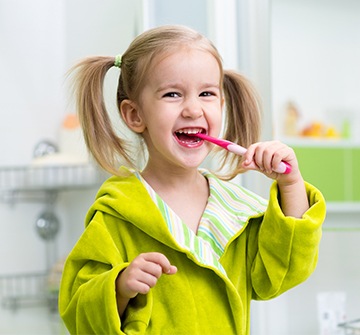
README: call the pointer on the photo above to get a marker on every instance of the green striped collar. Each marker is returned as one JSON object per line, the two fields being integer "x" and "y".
{"x": 228, "y": 209}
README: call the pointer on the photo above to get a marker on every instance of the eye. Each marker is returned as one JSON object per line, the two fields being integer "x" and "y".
{"x": 207, "y": 94}
{"x": 171, "y": 95}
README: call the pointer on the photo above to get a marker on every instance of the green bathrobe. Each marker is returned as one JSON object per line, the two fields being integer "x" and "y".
{"x": 269, "y": 255}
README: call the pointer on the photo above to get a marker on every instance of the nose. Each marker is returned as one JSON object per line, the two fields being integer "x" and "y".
{"x": 192, "y": 108}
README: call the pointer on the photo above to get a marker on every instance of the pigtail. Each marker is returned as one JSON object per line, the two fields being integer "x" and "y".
{"x": 243, "y": 119}
{"x": 101, "y": 140}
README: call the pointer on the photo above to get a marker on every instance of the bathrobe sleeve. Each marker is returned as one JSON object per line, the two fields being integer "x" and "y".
{"x": 88, "y": 299}
{"x": 287, "y": 247}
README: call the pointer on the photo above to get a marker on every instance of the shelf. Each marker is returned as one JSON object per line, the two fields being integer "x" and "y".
{"x": 320, "y": 142}
{"x": 343, "y": 207}
{"x": 34, "y": 182}
{"x": 27, "y": 289}
{"x": 342, "y": 216}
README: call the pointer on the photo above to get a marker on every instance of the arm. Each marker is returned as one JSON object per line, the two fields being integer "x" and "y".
{"x": 287, "y": 242}
{"x": 293, "y": 198}
{"x": 94, "y": 270}
{"x": 87, "y": 302}
{"x": 285, "y": 249}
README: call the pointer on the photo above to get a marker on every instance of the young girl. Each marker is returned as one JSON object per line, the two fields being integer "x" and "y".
{"x": 170, "y": 248}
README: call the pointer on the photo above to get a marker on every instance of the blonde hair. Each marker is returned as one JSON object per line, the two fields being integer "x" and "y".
{"x": 242, "y": 104}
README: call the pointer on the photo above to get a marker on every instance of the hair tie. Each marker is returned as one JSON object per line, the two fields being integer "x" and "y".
{"x": 118, "y": 61}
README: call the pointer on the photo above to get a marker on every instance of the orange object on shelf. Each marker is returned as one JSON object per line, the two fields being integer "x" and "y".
{"x": 319, "y": 130}
{"x": 71, "y": 121}
{"x": 315, "y": 129}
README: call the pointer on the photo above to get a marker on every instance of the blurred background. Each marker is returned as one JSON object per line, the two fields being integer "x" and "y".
{"x": 303, "y": 57}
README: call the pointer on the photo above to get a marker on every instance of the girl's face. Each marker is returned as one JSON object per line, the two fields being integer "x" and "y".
{"x": 182, "y": 94}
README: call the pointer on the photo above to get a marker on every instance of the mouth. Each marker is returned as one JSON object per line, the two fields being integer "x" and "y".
{"x": 186, "y": 136}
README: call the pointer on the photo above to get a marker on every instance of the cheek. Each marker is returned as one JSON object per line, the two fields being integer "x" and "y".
{"x": 158, "y": 130}
{"x": 216, "y": 120}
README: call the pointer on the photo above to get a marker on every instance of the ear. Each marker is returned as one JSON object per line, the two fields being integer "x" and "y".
{"x": 130, "y": 113}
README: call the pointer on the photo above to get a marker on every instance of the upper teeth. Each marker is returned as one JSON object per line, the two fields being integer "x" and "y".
{"x": 189, "y": 131}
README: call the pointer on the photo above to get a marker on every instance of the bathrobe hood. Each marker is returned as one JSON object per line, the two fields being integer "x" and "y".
{"x": 117, "y": 198}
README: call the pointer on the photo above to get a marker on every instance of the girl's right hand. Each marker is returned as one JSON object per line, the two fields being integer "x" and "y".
{"x": 142, "y": 274}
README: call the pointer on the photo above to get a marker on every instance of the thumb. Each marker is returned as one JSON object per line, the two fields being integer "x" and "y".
{"x": 250, "y": 165}
{"x": 172, "y": 270}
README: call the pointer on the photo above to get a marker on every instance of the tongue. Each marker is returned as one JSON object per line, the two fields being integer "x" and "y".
{"x": 186, "y": 138}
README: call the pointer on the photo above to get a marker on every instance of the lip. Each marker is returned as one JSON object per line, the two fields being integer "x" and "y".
{"x": 189, "y": 144}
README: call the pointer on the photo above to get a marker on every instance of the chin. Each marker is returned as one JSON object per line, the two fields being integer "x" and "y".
{"x": 193, "y": 164}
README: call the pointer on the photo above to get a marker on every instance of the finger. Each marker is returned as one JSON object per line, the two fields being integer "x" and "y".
{"x": 152, "y": 268}
{"x": 274, "y": 154}
{"x": 259, "y": 158}
{"x": 148, "y": 279}
{"x": 142, "y": 285}
{"x": 266, "y": 155}
{"x": 248, "y": 158}
{"x": 145, "y": 282}
{"x": 140, "y": 277}
{"x": 249, "y": 155}
{"x": 161, "y": 260}
{"x": 255, "y": 156}
{"x": 269, "y": 159}
{"x": 277, "y": 158}
{"x": 249, "y": 165}
{"x": 172, "y": 270}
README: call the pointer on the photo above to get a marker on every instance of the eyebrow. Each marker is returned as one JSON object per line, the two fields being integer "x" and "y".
{"x": 177, "y": 85}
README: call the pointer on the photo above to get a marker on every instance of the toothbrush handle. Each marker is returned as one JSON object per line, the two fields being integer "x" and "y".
{"x": 283, "y": 167}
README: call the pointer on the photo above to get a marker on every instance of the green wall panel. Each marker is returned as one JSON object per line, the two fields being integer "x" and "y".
{"x": 325, "y": 168}
{"x": 355, "y": 175}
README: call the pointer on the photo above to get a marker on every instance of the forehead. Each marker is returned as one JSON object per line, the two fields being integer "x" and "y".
{"x": 186, "y": 61}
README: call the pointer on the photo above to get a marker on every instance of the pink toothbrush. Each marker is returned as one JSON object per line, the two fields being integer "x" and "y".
{"x": 283, "y": 167}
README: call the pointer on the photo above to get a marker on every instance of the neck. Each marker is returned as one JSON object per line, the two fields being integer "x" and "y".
{"x": 185, "y": 191}
{"x": 179, "y": 179}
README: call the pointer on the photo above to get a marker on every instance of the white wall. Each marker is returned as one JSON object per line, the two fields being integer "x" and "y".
{"x": 315, "y": 60}
{"x": 296, "y": 312}
{"x": 32, "y": 66}
{"x": 31, "y": 107}
{"x": 40, "y": 40}
{"x": 315, "y": 49}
